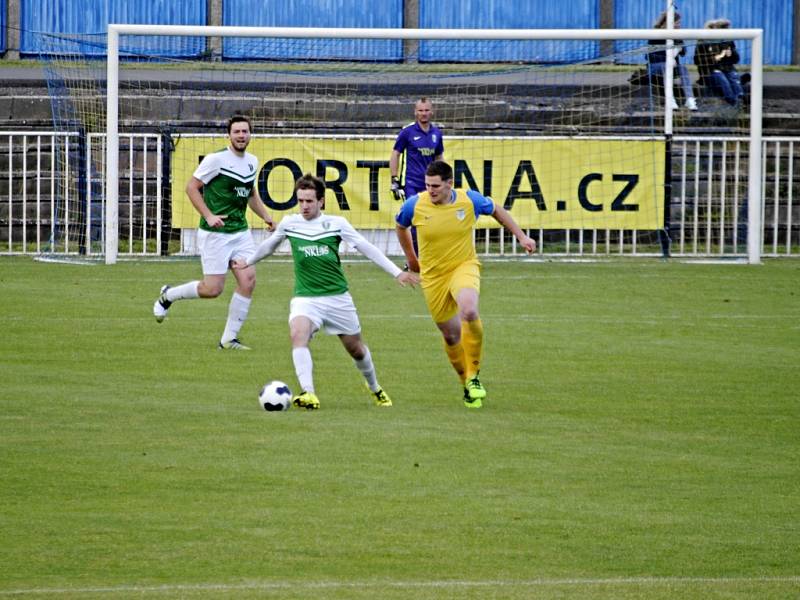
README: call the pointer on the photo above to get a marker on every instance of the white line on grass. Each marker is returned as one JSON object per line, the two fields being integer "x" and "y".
{"x": 446, "y": 584}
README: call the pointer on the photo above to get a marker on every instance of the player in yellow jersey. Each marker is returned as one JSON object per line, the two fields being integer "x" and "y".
{"x": 449, "y": 266}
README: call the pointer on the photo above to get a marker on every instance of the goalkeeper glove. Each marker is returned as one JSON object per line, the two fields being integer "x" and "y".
{"x": 397, "y": 191}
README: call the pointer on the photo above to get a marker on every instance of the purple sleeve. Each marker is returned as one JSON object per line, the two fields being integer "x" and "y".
{"x": 401, "y": 142}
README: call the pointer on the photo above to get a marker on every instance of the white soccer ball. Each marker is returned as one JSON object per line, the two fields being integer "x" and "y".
{"x": 275, "y": 396}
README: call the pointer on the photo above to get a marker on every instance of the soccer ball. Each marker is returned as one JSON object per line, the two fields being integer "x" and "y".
{"x": 275, "y": 396}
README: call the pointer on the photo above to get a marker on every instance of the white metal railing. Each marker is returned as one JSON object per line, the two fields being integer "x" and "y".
{"x": 53, "y": 201}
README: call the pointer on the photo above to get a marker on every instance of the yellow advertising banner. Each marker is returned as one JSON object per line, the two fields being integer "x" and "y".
{"x": 544, "y": 183}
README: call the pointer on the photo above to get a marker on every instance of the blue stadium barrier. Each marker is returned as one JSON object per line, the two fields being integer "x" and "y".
{"x": 309, "y": 13}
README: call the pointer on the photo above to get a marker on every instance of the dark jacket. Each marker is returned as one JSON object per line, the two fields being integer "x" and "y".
{"x": 660, "y": 56}
{"x": 705, "y": 57}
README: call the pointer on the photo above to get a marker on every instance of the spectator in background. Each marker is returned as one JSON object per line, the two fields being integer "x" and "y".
{"x": 657, "y": 62}
{"x": 716, "y": 62}
{"x": 420, "y": 143}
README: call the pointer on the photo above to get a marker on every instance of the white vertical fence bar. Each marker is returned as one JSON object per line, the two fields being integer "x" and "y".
{"x": 159, "y": 197}
{"x": 682, "y": 234}
{"x": 723, "y": 175}
{"x": 24, "y": 215}
{"x": 789, "y": 198}
{"x": 66, "y": 195}
{"x": 144, "y": 195}
{"x": 10, "y": 195}
{"x": 52, "y": 193}
{"x": 104, "y": 204}
{"x": 38, "y": 194}
{"x": 130, "y": 194}
{"x": 736, "y": 172}
{"x": 776, "y": 197}
{"x": 88, "y": 176}
{"x": 696, "y": 211}
{"x": 763, "y": 207}
{"x": 709, "y": 195}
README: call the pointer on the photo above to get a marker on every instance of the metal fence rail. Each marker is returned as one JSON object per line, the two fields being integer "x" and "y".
{"x": 52, "y": 201}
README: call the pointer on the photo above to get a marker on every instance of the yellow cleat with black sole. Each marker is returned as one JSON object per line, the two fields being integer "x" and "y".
{"x": 306, "y": 400}
{"x": 471, "y": 402}
{"x": 474, "y": 388}
{"x": 381, "y": 398}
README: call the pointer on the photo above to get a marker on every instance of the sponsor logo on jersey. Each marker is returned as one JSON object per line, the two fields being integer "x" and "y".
{"x": 242, "y": 192}
{"x": 310, "y": 251}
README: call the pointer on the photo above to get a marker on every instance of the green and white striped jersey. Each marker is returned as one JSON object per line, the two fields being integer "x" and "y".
{"x": 228, "y": 181}
{"x": 315, "y": 250}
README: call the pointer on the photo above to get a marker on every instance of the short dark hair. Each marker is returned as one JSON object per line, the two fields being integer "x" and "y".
{"x": 440, "y": 168}
{"x": 309, "y": 182}
{"x": 239, "y": 119}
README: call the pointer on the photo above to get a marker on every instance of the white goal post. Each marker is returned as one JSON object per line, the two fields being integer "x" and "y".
{"x": 754, "y": 208}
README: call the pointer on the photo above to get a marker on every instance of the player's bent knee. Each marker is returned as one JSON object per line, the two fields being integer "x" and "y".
{"x": 468, "y": 314}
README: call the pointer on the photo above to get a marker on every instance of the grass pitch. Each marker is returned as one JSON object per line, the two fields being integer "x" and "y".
{"x": 640, "y": 440}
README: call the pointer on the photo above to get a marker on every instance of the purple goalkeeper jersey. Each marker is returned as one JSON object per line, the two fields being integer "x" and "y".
{"x": 420, "y": 149}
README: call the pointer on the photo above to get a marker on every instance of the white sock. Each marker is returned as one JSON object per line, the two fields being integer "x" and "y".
{"x": 303, "y": 368}
{"x": 367, "y": 368}
{"x": 185, "y": 291}
{"x": 237, "y": 313}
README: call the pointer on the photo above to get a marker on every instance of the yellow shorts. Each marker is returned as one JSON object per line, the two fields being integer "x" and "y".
{"x": 440, "y": 292}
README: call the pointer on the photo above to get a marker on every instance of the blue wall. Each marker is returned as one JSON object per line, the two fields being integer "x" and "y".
{"x": 498, "y": 14}
{"x": 3, "y": 25}
{"x": 313, "y": 13}
{"x": 92, "y": 16}
{"x": 773, "y": 16}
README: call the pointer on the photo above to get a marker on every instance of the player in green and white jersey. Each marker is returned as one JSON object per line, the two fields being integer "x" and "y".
{"x": 321, "y": 297}
{"x": 221, "y": 189}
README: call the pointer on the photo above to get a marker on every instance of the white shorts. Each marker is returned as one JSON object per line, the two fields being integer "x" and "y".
{"x": 336, "y": 313}
{"x": 217, "y": 250}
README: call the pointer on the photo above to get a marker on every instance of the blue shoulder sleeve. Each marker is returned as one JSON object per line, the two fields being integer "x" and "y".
{"x": 406, "y": 214}
{"x": 481, "y": 204}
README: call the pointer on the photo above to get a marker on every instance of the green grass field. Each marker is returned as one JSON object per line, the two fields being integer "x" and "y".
{"x": 641, "y": 440}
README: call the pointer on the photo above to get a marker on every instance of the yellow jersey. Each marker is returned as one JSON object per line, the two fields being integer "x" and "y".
{"x": 444, "y": 231}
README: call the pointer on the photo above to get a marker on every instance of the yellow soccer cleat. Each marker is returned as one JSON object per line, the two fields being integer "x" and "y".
{"x": 474, "y": 389}
{"x": 306, "y": 400}
{"x": 381, "y": 397}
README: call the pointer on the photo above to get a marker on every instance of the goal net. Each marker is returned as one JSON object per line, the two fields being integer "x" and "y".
{"x": 564, "y": 129}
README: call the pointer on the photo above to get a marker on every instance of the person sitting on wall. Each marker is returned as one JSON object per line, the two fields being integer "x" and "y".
{"x": 657, "y": 62}
{"x": 716, "y": 62}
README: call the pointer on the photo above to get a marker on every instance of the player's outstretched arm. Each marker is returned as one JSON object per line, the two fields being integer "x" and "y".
{"x": 407, "y": 244}
{"x": 265, "y": 248}
{"x": 502, "y": 216}
{"x": 405, "y": 278}
{"x": 379, "y": 258}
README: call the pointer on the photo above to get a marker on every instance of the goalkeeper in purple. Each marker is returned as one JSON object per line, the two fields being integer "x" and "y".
{"x": 321, "y": 297}
{"x": 449, "y": 267}
{"x": 421, "y": 143}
